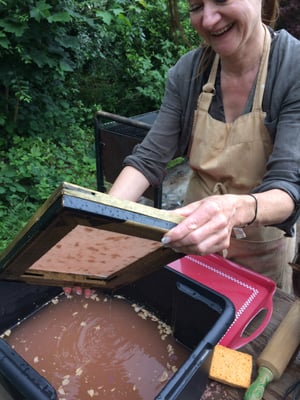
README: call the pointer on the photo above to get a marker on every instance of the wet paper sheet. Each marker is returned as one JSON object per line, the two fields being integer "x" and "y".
{"x": 87, "y": 238}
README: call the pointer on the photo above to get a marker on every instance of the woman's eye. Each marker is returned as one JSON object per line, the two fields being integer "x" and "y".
{"x": 199, "y": 6}
{"x": 195, "y": 7}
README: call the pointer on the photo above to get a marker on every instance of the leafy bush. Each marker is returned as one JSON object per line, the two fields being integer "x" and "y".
{"x": 33, "y": 167}
{"x": 60, "y": 61}
{"x": 137, "y": 48}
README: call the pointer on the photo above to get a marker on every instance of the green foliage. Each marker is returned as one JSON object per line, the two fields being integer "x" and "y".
{"x": 38, "y": 49}
{"x": 112, "y": 53}
{"x": 137, "y": 49}
{"x": 60, "y": 61}
{"x": 33, "y": 167}
{"x": 42, "y": 165}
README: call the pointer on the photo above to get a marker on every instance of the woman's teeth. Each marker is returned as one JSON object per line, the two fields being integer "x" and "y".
{"x": 220, "y": 32}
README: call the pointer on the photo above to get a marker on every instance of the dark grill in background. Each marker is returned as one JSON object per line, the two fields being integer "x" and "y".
{"x": 115, "y": 138}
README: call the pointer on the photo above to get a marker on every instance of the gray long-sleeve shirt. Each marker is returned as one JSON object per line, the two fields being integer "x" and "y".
{"x": 172, "y": 129}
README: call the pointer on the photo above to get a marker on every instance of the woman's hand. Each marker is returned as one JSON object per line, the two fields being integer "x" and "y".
{"x": 208, "y": 224}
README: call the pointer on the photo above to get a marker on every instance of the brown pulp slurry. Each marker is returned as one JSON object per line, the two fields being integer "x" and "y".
{"x": 101, "y": 348}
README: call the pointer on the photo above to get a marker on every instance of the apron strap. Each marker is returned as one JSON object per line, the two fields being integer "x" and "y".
{"x": 208, "y": 90}
{"x": 262, "y": 73}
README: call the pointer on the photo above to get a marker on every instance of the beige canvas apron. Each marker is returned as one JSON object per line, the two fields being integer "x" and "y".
{"x": 231, "y": 158}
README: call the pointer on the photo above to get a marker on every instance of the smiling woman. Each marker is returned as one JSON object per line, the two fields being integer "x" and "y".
{"x": 231, "y": 107}
{"x": 206, "y": 15}
{"x": 270, "y": 8}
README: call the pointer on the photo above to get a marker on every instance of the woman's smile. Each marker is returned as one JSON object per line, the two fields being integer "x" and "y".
{"x": 220, "y": 32}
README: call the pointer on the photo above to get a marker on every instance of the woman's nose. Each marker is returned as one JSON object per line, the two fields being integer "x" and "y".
{"x": 210, "y": 16}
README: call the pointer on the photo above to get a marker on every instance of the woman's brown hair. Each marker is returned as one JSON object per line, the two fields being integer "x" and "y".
{"x": 270, "y": 12}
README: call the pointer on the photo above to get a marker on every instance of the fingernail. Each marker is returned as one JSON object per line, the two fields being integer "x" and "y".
{"x": 165, "y": 240}
{"x": 88, "y": 293}
{"x": 78, "y": 291}
{"x": 192, "y": 227}
{"x": 67, "y": 291}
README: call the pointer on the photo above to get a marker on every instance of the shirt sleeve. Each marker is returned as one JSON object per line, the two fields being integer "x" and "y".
{"x": 164, "y": 140}
{"x": 282, "y": 102}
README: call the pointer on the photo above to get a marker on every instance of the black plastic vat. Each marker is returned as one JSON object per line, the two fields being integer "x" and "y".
{"x": 198, "y": 315}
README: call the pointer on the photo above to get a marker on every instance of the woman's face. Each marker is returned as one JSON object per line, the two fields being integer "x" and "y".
{"x": 228, "y": 26}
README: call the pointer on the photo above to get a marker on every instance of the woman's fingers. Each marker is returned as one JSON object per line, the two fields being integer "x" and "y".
{"x": 206, "y": 228}
{"x": 201, "y": 243}
{"x": 79, "y": 291}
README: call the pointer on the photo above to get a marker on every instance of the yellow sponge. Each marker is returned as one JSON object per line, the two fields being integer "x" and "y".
{"x": 231, "y": 367}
